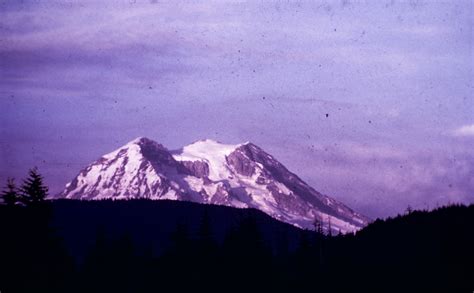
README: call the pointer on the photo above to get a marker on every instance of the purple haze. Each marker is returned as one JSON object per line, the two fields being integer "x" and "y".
{"x": 371, "y": 104}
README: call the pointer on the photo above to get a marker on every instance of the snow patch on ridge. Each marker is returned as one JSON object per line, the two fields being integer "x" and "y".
{"x": 211, "y": 152}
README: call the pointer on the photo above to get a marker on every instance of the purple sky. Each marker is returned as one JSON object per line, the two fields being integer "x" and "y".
{"x": 79, "y": 79}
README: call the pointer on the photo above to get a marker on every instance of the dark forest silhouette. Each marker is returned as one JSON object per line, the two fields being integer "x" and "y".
{"x": 153, "y": 246}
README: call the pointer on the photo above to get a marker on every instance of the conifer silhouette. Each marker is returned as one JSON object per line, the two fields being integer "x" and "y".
{"x": 33, "y": 190}
{"x": 206, "y": 243}
{"x": 318, "y": 226}
{"x": 10, "y": 195}
{"x": 329, "y": 227}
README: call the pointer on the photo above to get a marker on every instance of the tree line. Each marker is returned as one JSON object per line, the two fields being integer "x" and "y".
{"x": 420, "y": 251}
{"x": 32, "y": 192}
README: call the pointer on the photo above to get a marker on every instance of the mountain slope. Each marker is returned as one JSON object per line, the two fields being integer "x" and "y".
{"x": 242, "y": 176}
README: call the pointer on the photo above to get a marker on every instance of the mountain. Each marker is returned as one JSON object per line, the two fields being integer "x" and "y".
{"x": 241, "y": 176}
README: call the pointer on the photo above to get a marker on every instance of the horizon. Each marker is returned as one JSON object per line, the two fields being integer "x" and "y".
{"x": 368, "y": 103}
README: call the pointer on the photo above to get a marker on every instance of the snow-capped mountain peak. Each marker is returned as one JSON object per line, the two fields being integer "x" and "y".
{"x": 133, "y": 147}
{"x": 206, "y": 171}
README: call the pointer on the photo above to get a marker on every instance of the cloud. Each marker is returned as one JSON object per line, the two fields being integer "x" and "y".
{"x": 380, "y": 179}
{"x": 353, "y": 86}
{"x": 466, "y": 130}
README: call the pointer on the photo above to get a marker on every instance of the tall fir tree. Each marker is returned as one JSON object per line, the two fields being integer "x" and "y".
{"x": 10, "y": 195}
{"x": 33, "y": 190}
{"x": 205, "y": 235}
{"x": 329, "y": 227}
{"x": 318, "y": 226}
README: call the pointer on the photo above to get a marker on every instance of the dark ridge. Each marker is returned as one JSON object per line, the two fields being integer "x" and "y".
{"x": 150, "y": 246}
{"x": 150, "y": 220}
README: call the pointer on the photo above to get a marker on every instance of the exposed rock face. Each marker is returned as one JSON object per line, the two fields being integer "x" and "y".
{"x": 155, "y": 153}
{"x": 240, "y": 161}
{"x": 197, "y": 168}
{"x": 242, "y": 176}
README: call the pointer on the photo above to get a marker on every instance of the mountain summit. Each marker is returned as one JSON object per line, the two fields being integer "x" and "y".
{"x": 242, "y": 176}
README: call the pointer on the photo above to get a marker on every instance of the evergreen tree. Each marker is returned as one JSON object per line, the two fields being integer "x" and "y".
{"x": 96, "y": 267}
{"x": 180, "y": 239}
{"x": 318, "y": 226}
{"x": 329, "y": 227}
{"x": 33, "y": 190}
{"x": 245, "y": 251}
{"x": 205, "y": 235}
{"x": 10, "y": 195}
